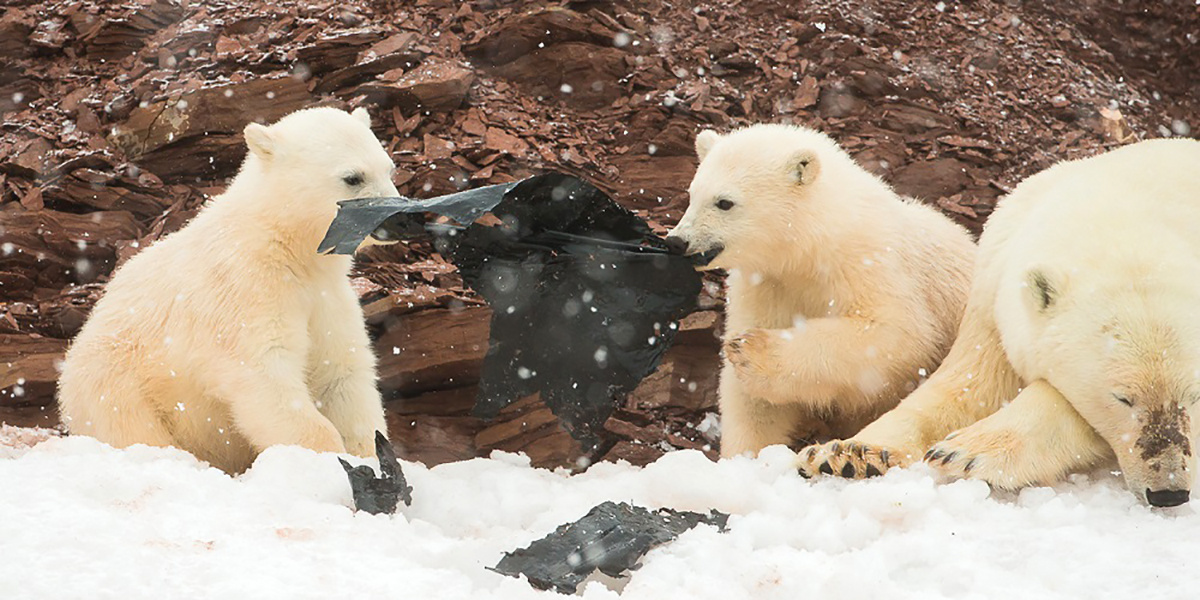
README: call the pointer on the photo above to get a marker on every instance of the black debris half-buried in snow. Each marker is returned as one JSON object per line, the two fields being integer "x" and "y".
{"x": 585, "y": 297}
{"x": 611, "y": 537}
{"x": 379, "y": 495}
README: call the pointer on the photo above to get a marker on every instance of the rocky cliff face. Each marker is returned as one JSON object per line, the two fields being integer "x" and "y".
{"x": 121, "y": 118}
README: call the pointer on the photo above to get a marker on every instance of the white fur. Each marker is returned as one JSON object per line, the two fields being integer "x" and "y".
{"x": 839, "y": 291}
{"x": 1087, "y": 289}
{"x": 233, "y": 334}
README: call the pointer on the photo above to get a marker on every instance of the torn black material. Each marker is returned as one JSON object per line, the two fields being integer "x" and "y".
{"x": 585, "y": 298}
{"x": 403, "y": 218}
{"x": 379, "y": 495}
{"x": 611, "y": 537}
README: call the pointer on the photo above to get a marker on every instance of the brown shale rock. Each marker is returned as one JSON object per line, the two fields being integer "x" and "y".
{"x": 114, "y": 30}
{"x": 580, "y": 74}
{"x": 15, "y": 28}
{"x": 366, "y": 70}
{"x": 528, "y": 426}
{"x": 104, "y": 190}
{"x": 932, "y": 179}
{"x": 52, "y": 249}
{"x": 199, "y": 132}
{"x": 436, "y": 86}
{"x": 336, "y": 51}
{"x": 537, "y": 29}
{"x": 28, "y": 376}
{"x": 427, "y": 349}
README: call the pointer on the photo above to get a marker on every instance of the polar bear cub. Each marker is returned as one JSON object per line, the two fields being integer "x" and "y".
{"x": 840, "y": 295}
{"x": 233, "y": 334}
{"x": 1080, "y": 346}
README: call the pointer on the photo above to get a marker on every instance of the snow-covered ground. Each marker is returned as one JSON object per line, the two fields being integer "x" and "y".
{"x": 81, "y": 520}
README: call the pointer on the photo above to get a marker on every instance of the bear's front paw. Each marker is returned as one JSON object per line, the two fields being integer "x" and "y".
{"x": 849, "y": 459}
{"x": 978, "y": 454}
{"x": 750, "y": 354}
{"x": 361, "y": 447}
{"x": 321, "y": 436}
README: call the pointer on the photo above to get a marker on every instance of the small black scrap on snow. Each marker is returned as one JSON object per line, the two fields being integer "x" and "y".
{"x": 379, "y": 495}
{"x": 611, "y": 537}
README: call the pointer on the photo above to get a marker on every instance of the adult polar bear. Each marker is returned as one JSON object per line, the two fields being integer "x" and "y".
{"x": 1081, "y": 337}
{"x": 233, "y": 334}
{"x": 840, "y": 293}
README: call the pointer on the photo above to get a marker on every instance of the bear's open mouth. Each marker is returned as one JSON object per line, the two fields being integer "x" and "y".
{"x": 701, "y": 259}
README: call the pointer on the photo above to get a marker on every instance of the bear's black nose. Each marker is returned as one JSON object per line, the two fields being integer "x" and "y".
{"x": 676, "y": 245}
{"x": 1166, "y": 498}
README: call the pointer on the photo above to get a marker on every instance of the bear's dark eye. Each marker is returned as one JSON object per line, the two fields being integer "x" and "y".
{"x": 1123, "y": 400}
{"x": 353, "y": 179}
{"x": 724, "y": 204}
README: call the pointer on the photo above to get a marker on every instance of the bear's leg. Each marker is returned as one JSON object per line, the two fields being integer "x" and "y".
{"x": 1037, "y": 439}
{"x": 271, "y": 405}
{"x": 343, "y": 372}
{"x": 749, "y": 424}
{"x": 101, "y": 399}
{"x": 351, "y": 401}
{"x": 971, "y": 383}
{"x": 828, "y": 359}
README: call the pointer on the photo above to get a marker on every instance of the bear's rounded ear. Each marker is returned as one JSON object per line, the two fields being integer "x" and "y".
{"x": 361, "y": 114}
{"x": 259, "y": 140}
{"x": 1042, "y": 289}
{"x": 806, "y": 166}
{"x": 705, "y": 141}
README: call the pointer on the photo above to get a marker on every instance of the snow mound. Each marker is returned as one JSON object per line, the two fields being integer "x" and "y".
{"x": 82, "y": 520}
{"x": 15, "y": 440}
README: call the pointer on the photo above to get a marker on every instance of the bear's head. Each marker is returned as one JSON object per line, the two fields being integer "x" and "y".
{"x": 312, "y": 158}
{"x": 760, "y": 194}
{"x": 1126, "y": 354}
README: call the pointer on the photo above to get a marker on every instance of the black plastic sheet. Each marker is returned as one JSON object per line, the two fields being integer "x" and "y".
{"x": 402, "y": 218}
{"x": 585, "y": 298}
{"x": 611, "y": 537}
{"x": 379, "y": 495}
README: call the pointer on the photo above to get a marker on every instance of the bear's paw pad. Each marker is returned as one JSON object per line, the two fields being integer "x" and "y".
{"x": 983, "y": 455}
{"x": 951, "y": 462}
{"x": 847, "y": 459}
